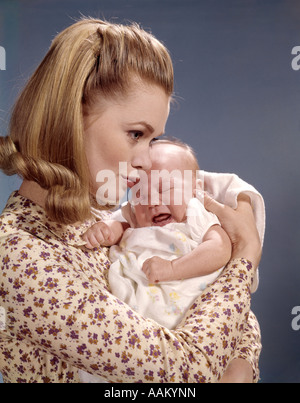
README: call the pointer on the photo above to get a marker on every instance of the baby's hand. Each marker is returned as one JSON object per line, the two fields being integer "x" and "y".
{"x": 99, "y": 234}
{"x": 158, "y": 270}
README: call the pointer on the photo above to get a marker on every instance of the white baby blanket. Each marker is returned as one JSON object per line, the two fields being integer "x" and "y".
{"x": 167, "y": 302}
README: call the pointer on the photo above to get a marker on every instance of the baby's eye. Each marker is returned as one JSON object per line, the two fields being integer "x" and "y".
{"x": 153, "y": 140}
{"x": 135, "y": 135}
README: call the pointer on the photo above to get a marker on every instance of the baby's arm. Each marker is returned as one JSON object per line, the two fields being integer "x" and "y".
{"x": 106, "y": 233}
{"x": 211, "y": 255}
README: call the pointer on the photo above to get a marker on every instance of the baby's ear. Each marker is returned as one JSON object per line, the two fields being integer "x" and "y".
{"x": 199, "y": 186}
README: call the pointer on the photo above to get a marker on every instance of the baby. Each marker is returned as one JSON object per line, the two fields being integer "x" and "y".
{"x": 167, "y": 253}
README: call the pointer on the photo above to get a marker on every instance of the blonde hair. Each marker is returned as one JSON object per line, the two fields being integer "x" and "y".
{"x": 46, "y": 135}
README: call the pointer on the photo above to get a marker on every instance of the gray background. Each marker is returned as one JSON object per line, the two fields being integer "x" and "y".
{"x": 239, "y": 102}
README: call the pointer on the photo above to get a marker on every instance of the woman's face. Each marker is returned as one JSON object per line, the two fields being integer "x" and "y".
{"x": 122, "y": 130}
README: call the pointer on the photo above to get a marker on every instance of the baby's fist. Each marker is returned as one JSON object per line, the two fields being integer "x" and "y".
{"x": 158, "y": 270}
{"x": 98, "y": 234}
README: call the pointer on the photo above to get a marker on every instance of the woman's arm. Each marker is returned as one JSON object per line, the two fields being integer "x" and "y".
{"x": 244, "y": 367}
{"x": 86, "y": 327}
{"x": 246, "y": 359}
{"x": 59, "y": 316}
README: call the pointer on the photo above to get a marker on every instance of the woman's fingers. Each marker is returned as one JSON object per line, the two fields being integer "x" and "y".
{"x": 240, "y": 226}
{"x": 214, "y": 206}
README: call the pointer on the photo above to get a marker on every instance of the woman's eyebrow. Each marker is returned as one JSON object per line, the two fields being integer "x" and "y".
{"x": 145, "y": 124}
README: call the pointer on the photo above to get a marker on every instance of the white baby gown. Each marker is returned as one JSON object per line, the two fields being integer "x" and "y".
{"x": 167, "y": 302}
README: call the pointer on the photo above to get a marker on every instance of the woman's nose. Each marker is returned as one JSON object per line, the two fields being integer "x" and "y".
{"x": 142, "y": 160}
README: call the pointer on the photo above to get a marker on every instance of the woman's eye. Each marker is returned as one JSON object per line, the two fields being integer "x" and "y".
{"x": 136, "y": 135}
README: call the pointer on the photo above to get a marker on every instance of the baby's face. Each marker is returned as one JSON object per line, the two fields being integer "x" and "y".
{"x": 164, "y": 204}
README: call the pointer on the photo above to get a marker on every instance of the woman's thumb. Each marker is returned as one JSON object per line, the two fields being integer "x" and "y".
{"x": 212, "y": 205}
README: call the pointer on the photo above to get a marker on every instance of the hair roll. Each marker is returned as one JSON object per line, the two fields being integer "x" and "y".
{"x": 7, "y": 151}
{"x": 66, "y": 200}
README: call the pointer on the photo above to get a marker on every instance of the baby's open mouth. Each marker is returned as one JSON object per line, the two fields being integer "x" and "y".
{"x": 162, "y": 219}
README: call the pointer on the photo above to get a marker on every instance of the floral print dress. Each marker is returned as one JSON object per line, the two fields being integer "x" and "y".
{"x": 59, "y": 315}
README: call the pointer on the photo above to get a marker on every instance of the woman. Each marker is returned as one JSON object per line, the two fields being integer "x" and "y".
{"x": 101, "y": 96}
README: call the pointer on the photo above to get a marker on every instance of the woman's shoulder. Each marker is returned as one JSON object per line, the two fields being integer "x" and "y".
{"x": 26, "y": 228}
{"x": 35, "y": 246}
{"x": 22, "y": 220}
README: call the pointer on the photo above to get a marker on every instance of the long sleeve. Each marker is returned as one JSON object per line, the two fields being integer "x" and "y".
{"x": 61, "y": 317}
{"x": 249, "y": 347}
{"x": 88, "y": 328}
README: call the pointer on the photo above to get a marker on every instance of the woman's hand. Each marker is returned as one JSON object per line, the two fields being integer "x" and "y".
{"x": 240, "y": 227}
{"x": 238, "y": 371}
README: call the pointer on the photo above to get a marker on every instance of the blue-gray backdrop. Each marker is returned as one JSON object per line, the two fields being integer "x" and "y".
{"x": 239, "y": 101}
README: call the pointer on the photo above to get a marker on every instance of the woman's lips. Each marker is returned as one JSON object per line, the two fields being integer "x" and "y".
{"x": 130, "y": 181}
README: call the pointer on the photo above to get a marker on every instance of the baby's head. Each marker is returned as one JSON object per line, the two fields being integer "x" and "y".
{"x": 167, "y": 190}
